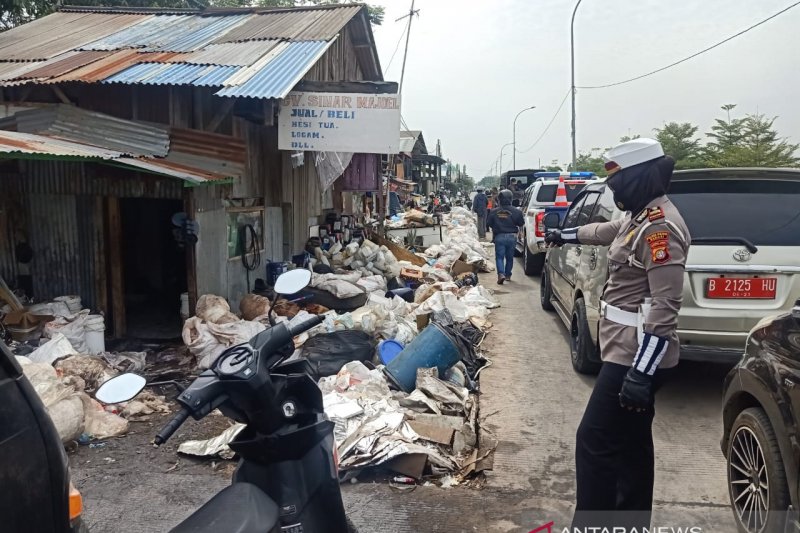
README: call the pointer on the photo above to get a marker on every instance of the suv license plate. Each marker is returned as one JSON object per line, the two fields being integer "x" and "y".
{"x": 745, "y": 288}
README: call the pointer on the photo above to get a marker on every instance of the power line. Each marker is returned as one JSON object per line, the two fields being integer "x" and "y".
{"x": 693, "y": 55}
{"x": 397, "y": 47}
{"x": 560, "y": 106}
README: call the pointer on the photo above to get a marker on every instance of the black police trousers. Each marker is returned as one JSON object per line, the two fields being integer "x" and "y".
{"x": 614, "y": 457}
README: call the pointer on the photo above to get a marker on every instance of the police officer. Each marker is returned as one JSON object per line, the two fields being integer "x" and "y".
{"x": 505, "y": 221}
{"x": 614, "y": 454}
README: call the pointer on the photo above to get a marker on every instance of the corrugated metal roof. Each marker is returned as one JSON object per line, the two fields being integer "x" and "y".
{"x": 62, "y": 64}
{"x": 298, "y": 25}
{"x": 108, "y": 66}
{"x": 196, "y": 32}
{"x": 407, "y": 144}
{"x": 14, "y": 142}
{"x": 97, "y": 129}
{"x": 55, "y": 34}
{"x": 171, "y": 33}
{"x": 173, "y": 74}
{"x": 279, "y": 75}
{"x": 31, "y": 145}
{"x": 241, "y": 54}
{"x": 222, "y": 154}
{"x": 170, "y": 168}
{"x": 11, "y": 70}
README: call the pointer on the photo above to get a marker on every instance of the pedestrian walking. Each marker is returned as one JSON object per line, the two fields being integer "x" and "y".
{"x": 505, "y": 221}
{"x": 614, "y": 456}
{"x": 480, "y": 205}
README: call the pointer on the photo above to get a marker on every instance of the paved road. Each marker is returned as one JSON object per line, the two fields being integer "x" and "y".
{"x": 531, "y": 400}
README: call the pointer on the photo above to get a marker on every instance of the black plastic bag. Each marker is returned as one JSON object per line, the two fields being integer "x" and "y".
{"x": 329, "y": 352}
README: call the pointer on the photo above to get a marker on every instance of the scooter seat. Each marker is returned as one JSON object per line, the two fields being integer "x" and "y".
{"x": 239, "y": 508}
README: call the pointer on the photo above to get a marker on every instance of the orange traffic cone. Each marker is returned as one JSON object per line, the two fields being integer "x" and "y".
{"x": 561, "y": 193}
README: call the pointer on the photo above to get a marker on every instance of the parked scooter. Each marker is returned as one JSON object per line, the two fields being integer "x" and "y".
{"x": 287, "y": 478}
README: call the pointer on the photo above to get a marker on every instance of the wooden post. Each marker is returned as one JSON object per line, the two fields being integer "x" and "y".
{"x": 101, "y": 266}
{"x": 116, "y": 267}
{"x": 191, "y": 253}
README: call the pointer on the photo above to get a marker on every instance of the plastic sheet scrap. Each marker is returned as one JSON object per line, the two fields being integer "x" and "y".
{"x": 214, "y": 446}
{"x": 56, "y": 348}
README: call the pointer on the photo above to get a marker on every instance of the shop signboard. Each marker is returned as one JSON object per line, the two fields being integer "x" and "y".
{"x": 340, "y": 122}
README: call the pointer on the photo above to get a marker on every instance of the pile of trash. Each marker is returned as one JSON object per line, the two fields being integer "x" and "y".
{"x": 413, "y": 218}
{"x": 62, "y": 378}
{"x": 407, "y": 405}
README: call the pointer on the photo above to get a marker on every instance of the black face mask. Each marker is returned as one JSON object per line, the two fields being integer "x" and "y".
{"x": 637, "y": 186}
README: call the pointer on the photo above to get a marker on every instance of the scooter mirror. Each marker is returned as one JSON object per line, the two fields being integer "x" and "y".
{"x": 120, "y": 388}
{"x": 293, "y": 281}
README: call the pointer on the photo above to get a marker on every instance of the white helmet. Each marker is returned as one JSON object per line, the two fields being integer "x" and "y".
{"x": 632, "y": 153}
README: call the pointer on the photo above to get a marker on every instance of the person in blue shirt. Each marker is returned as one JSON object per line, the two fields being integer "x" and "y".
{"x": 505, "y": 221}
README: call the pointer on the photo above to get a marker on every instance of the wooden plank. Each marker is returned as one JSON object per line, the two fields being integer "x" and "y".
{"x": 399, "y": 252}
{"x": 223, "y": 112}
{"x": 191, "y": 253}
{"x": 273, "y": 234}
{"x": 116, "y": 267}
{"x": 99, "y": 238}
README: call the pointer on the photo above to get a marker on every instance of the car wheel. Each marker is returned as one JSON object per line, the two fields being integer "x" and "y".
{"x": 756, "y": 477}
{"x": 583, "y": 350}
{"x": 532, "y": 263}
{"x": 546, "y": 292}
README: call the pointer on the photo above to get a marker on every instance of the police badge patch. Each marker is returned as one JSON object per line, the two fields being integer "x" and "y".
{"x": 659, "y": 246}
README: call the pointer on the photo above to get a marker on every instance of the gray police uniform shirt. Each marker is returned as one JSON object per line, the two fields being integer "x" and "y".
{"x": 646, "y": 259}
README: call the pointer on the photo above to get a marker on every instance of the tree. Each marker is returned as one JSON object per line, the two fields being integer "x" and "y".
{"x": 552, "y": 168}
{"x": 678, "y": 141}
{"x": 751, "y": 141}
{"x": 727, "y": 135}
{"x": 589, "y": 162}
{"x": 490, "y": 181}
{"x": 626, "y": 138}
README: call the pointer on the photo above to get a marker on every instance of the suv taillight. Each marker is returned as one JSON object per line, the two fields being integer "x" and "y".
{"x": 539, "y": 225}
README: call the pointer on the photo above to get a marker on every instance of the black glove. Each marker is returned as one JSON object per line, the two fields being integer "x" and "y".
{"x": 554, "y": 237}
{"x": 637, "y": 391}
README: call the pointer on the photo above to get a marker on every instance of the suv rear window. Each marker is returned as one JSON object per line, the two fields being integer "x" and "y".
{"x": 547, "y": 193}
{"x": 763, "y": 211}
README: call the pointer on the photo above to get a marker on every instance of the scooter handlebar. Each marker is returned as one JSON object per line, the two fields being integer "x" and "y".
{"x": 172, "y": 426}
{"x": 305, "y": 325}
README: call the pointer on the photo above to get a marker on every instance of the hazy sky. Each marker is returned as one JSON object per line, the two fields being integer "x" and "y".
{"x": 473, "y": 65}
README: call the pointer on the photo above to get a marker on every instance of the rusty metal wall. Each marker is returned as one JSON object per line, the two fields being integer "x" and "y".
{"x": 11, "y": 217}
{"x": 71, "y": 178}
{"x": 54, "y": 237}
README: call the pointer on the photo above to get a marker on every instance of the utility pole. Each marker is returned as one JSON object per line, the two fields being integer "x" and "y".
{"x": 572, "y": 63}
{"x": 411, "y": 13}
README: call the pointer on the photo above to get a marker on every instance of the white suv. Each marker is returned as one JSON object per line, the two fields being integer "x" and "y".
{"x": 537, "y": 197}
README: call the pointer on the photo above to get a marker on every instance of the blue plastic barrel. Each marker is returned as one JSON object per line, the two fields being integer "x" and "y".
{"x": 432, "y": 348}
{"x": 388, "y": 350}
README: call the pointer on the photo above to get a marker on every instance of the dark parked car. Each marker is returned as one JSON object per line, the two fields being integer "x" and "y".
{"x": 36, "y": 493}
{"x": 761, "y": 440}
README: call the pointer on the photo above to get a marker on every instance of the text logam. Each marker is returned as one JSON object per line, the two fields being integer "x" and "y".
{"x": 349, "y": 102}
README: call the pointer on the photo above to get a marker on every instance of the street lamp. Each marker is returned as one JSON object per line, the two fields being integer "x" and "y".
{"x": 514, "y": 159}
{"x": 572, "y": 62}
{"x": 501, "y": 157}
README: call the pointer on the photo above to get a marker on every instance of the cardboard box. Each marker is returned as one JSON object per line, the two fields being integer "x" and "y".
{"x": 459, "y": 267}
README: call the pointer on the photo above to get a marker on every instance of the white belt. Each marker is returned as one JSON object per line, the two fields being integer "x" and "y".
{"x": 620, "y": 316}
